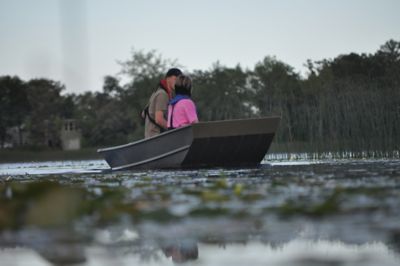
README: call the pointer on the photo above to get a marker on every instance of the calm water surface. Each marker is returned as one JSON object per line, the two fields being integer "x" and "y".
{"x": 344, "y": 212}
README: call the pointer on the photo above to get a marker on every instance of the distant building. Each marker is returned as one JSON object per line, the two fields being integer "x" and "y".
{"x": 16, "y": 137}
{"x": 70, "y": 135}
{"x": 51, "y": 135}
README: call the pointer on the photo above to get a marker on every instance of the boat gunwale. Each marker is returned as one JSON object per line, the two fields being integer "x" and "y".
{"x": 239, "y": 119}
{"x": 152, "y": 159}
{"x": 178, "y": 129}
{"x": 142, "y": 140}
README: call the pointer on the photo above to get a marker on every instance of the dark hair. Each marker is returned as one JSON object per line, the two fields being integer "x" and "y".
{"x": 183, "y": 85}
{"x": 173, "y": 72}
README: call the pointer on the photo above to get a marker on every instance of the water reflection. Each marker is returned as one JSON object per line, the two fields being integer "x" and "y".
{"x": 332, "y": 213}
{"x": 181, "y": 250}
{"x": 299, "y": 251}
{"x": 59, "y": 247}
{"x": 124, "y": 246}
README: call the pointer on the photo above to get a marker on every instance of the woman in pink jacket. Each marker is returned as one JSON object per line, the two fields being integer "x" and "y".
{"x": 181, "y": 109}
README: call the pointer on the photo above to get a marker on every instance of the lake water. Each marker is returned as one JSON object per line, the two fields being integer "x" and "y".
{"x": 301, "y": 212}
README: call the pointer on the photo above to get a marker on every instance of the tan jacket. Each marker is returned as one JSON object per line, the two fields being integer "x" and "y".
{"x": 158, "y": 102}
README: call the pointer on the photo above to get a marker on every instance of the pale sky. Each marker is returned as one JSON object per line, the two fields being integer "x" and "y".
{"x": 78, "y": 42}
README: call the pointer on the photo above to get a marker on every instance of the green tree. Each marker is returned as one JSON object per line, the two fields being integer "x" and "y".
{"x": 103, "y": 115}
{"x": 277, "y": 92}
{"x": 14, "y": 105}
{"x": 352, "y": 101}
{"x": 45, "y": 119}
{"x": 145, "y": 65}
{"x": 222, "y": 93}
{"x": 143, "y": 72}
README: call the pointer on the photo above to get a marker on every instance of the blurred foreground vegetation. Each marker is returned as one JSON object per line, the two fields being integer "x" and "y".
{"x": 349, "y": 103}
{"x": 313, "y": 191}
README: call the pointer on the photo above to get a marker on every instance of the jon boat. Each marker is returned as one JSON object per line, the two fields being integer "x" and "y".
{"x": 228, "y": 143}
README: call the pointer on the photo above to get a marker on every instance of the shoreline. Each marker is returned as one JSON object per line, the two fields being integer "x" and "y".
{"x": 15, "y": 156}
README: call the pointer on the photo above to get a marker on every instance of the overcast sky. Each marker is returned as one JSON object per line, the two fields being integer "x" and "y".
{"x": 78, "y": 42}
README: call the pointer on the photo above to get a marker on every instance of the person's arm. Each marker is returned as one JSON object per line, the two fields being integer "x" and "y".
{"x": 161, "y": 106}
{"x": 191, "y": 112}
{"x": 160, "y": 120}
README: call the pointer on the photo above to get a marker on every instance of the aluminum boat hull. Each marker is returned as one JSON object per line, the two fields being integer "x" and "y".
{"x": 228, "y": 143}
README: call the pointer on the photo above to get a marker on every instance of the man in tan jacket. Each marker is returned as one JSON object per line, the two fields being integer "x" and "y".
{"x": 156, "y": 110}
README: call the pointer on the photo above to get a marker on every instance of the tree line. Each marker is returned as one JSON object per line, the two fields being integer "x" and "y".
{"x": 348, "y": 103}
